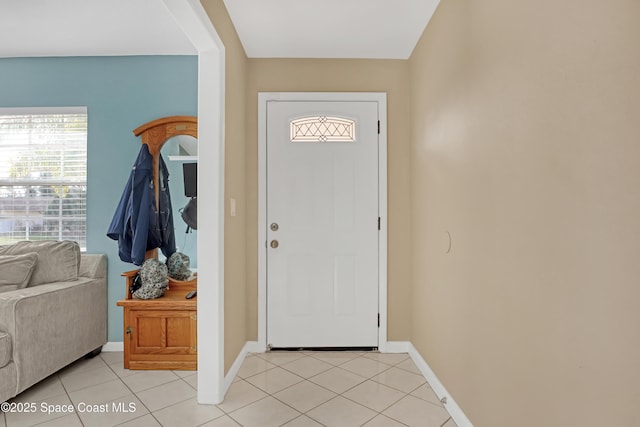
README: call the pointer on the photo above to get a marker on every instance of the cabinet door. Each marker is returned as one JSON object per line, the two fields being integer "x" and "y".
{"x": 163, "y": 332}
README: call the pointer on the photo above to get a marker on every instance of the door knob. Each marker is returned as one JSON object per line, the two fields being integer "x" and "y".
{"x": 274, "y": 244}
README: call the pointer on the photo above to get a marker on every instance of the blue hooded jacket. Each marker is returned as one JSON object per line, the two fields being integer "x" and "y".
{"x": 136, "y": 224}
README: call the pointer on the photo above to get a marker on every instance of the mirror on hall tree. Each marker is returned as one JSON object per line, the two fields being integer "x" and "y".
{"x": 178, "y": 151}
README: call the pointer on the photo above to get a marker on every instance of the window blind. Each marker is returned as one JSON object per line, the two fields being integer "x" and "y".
{"x": 43, "y": 174}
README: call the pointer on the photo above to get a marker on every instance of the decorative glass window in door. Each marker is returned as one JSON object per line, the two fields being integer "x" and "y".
{"x": 323, "y": 129}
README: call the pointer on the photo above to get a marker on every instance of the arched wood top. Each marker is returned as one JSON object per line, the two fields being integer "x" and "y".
{"x": 156, "y": 132}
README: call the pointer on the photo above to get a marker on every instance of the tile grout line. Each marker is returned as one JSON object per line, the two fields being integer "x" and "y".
{"x": 342, "y": 394}
{"x": 332, "y": 366}
{"x": 47, "y": 398}
{"x": 292, "y": 385}
{"x": 229, "y": 414}
{"x": 135, "y": 394}
{"x": 378, "y": 412}
{"x": 243, "y": 406}
{"x": 69, "y": 397}
{"x": 169, "y": 406}
{"x": 152, "y": 413}
{"x": 132, "y": 392}
{"x": 282, "y": 365}
{"x": 370, "y": 378}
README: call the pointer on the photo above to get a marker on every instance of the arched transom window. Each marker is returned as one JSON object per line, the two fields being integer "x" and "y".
{"x": 323, "y": 129}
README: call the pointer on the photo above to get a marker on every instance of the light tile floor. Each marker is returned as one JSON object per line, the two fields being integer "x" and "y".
{"x": 291, "y": 389}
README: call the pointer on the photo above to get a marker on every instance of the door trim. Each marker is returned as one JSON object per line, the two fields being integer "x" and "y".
{"x": 263, "y": 99}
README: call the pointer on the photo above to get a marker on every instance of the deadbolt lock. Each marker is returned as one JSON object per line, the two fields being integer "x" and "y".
{"x": 274, "y": 227}
{"x": 274, "y": 244}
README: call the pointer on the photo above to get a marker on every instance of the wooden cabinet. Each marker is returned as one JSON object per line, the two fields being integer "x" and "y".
{"x": 161, "y": 333}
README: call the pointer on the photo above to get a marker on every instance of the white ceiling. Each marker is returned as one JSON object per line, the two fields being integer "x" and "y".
{"x": 267, "y": 28}
{"x": 330, "y": 28}
{"x": 89, "y": 28}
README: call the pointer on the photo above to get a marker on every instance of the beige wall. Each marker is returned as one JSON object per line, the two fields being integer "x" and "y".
{"x": 308, "y": 75}
{"x": 245, "y": 78}
{"x": 526, "y": 148}
{"x": 519, "y": 126}
{"x": 235, "y": 183}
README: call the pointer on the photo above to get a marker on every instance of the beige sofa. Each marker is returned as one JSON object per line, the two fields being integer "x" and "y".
{"x": 53, "y": 310}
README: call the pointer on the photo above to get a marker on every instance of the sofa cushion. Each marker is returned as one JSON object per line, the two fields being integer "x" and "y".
{"x": 58, "y": 261}
{"x": 16, "y": 270}
{"x": 5, "y": 349}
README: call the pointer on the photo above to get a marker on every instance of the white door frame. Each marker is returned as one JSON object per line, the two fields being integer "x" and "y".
{"x": 263, "y": 99}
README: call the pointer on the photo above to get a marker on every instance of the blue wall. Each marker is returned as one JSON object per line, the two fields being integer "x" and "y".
{"x": 121, "y": 93}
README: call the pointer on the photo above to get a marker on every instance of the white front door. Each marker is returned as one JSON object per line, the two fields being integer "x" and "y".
{"x": 322, "y": 223}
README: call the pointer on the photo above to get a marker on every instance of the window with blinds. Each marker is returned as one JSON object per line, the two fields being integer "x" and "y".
{"x": 43, "y": 174}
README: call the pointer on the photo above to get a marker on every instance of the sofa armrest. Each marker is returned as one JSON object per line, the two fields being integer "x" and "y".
{"x": 54, "y": 324}
{"x": 93, "y": 266}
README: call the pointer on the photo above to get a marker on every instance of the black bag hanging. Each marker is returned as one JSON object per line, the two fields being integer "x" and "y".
{"x": 190, "y": 214}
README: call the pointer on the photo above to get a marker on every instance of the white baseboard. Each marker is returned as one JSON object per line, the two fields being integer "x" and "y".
{"x": 449, "y": 403}
{"x": 391, "y": 347}
{"x": 113, "y": 346}
{"x": 249, "y": 347}
{"x": 396, "y": 347}
{"x": 255, "y": 347}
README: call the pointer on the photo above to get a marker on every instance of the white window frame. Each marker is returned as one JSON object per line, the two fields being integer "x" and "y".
{"x": 35, "y": 182}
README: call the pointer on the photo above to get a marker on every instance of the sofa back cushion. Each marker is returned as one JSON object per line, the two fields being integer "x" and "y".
{"x": 16, "y": 270}
{"x": 58, "y": 261}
